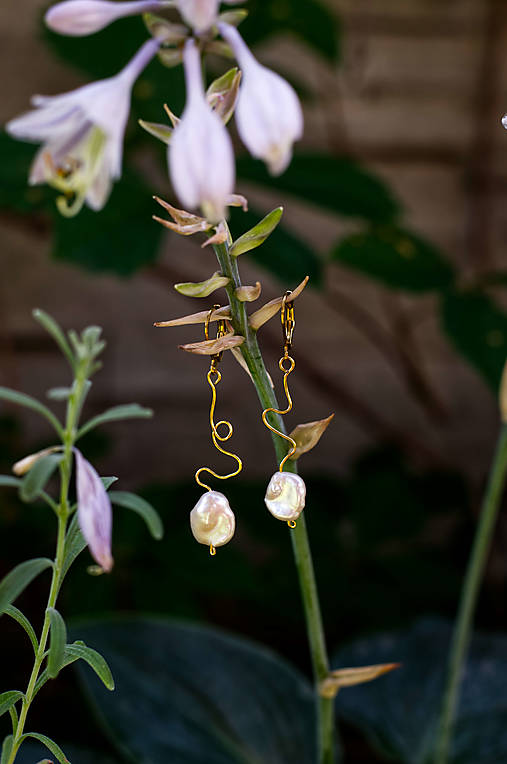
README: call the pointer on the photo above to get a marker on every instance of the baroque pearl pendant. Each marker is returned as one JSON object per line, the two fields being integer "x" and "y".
{"x": 285, "y": 496}
{"x": 212, "y": 520}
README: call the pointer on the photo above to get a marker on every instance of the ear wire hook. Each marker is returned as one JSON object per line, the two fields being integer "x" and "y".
{"x": 286, "y": 364}
{"x": 214, "y": 377}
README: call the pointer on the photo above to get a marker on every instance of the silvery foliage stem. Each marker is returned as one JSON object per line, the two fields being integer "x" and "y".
{"x": 86, "y": 523}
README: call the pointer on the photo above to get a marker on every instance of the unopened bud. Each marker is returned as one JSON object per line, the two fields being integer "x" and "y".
{"x": 199, "y": 14}
{"x": 285, "y": 496}
{"x": 26, "y": 464}
{"x": 77, "y": 18}
{"x": 212, "y": 520}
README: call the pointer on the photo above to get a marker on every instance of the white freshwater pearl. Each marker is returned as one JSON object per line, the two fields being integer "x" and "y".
{"x": 212, "y": 520}
{"x": 285, "y": 496}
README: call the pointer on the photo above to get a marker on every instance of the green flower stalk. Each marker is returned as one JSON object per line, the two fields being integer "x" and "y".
{"x": 86, "y": 523}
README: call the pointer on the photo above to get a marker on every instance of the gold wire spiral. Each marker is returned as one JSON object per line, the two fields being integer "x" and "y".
{"x": 214, "y": 378}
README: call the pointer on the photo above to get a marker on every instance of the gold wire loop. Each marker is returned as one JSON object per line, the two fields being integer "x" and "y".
{"x": 288, "y": 319}
{"x": 291, "y": 523}
{"x": 214, "y": 376}
{"x": 212, "y": 550}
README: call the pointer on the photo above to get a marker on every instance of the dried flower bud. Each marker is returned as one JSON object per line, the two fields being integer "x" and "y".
{"x": 212, "y": 347}
{"x": 271, "y": 308}
{"x": 94, "y": 512}
{"x": 268, "y": 113}
{"x": 308, "y": 435}
{"x": 77, "y": 18}
{"x": 201, "y": 158}
{"x": 212, "y": 520}
{"x": 285, "y": 496}
{"x": 26, "y": 464}
{"x": 248, "y": 293}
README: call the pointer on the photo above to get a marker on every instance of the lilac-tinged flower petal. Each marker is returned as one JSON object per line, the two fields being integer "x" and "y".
{"x": 199, "y": 14}
{"x": 83, "y": 17}
{"x": 268, "y": 113}
{"x": 94, "y": 512}
{"x": 201, "y": 157}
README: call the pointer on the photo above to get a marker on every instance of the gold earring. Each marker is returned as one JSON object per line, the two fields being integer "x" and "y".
{"x": 212, "y": 520}
{"x": 286, "y": 492}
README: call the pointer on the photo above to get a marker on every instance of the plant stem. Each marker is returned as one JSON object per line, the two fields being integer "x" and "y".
{"x": 299, "y": 537}
{"x": 69, "y": 434}
{"x": 464, "y": 621}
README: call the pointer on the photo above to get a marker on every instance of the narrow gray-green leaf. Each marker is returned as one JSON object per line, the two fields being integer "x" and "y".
{"x": 59, "y": 393}
{"x": 50, "y": 325}
{"x": 127, "y": 411}
{"x": 58, "y": 640}
{"x": 74, "y": 544}
{"x": 50, "y": 745}
{"x": 18, "y": 579}
{"x": 7, "y": 699}
{"x": 107, "y": 482}
{"x": 35, "y": 479}
{"x": 6, "y": 749}
{"x": 8, "y": 480}
{"x": 202, "y": 288}
{"x": 142, "y": 507}
{"x": 258, "y": 234}
{"x": 158, "y": 130}
{"x": 23, "y": 621}
{"x": 94, "y": 660}
{"x": 12, "y": 396}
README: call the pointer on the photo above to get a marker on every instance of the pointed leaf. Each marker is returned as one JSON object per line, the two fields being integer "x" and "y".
{"x": 18, "y": 579}
{"x": 127, "y": 411}
{"x": 8, "y": 699}
{"x": 35, "y": 480}
{"x": 203, "y": 288}
{"x": 164, "y": 30}
{"x": 270, "y": 309}
{"x": 23, "y": 621}
{"x": 258, "y": 234}
{"x": 222, "y": 94}
{"x": 212, "y": 347}
{"x": 50, "y": 745}
{"x": 93, "y": 659}
{"x": 6, "y": 749}
{"x": 198, "y": 318}
{"x": 12, "y": 396}
{"x": 142, "y": 507}
{"x": 74, "y": 544}
{"x": 58, "y": 640}
{"x": 50, "y": 325}
{"x": 248, "y": 293}
{"x": 308, "y": 435}
{"x": 162, "y": 132}
{"x": 107, "y": 482}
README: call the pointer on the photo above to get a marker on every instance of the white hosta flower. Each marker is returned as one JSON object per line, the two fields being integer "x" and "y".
{"x": 82, "y": 135}
{"x": 268, "y": 114}
{"x": 199, "y": 14}
{"x": 201, "y": 158}
{"x": 94, "y": 512}
{"x": 77, "y": 18}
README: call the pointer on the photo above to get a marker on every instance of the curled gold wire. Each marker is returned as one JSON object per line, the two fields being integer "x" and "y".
{"x": 286, "y": 372}
{"x": 214, "y": 378}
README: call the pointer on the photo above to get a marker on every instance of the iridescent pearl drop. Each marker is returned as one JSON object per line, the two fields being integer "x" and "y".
{"x": 212, "y": 520}
{"x": 285, "y": 496}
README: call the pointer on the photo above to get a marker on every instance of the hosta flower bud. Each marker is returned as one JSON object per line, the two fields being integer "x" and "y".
{"x": 199, "y": 14}
{"x": 212, "y": 520}
{"x": 268, "y": 113}
{"x": 201, "y": 158}
{"x": 94, "y": 512}
{"x": 82, "y": 17}
{"x": 285, "y": 496}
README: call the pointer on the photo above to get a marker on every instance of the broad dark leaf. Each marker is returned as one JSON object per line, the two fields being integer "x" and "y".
{"x": 120, "y": 239}
{"x": 192, "y": 694}
{"x": 399, "y": 711}
{"x": 478, "y": 329}
{"x": 397, "y": 258}
{"x": 337, "y": 184}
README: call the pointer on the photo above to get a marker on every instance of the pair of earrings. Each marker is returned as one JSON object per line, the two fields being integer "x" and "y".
{"x": 212, "y": 520}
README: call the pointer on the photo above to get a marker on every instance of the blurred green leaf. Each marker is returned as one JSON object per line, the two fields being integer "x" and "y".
{"x": 18, "y": 579}
{"x": 141, "y": 507}
{"x": 399, "y": 712}
{"x": 50, "y": 745}
{"x": 283, "y": 254}
{"x": 36, "y": 478}
{"x": 20, "y": 399}
{"x": 117, "y": 413}
{"x": 478, "y": 329}
{"x": 23, "y": 621}
{"x": 51, "y": 326}
{"x": 6, "y": 749}
{"x": 107, "y": 482}
{"x": 8, "y": 699}
{"x": 310, "y": 20}
{"x": 396, "y": 258}
{"x": 9, "y": 480}
{"x": 337, "y": 184}
{"x": 120, "y": 239}
{"x": 258, "y": 234}
{"x": 58, "y": 640}
{"x": 197, "y": 694}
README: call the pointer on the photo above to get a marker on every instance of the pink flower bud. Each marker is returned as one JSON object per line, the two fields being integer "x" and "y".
{"x": 199, "y": 14}
{"x": 268, "y": 113}
{"x": 94, "y": 512}
{"x": 201, "y": 158}
{"x": 83, "y": 17}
